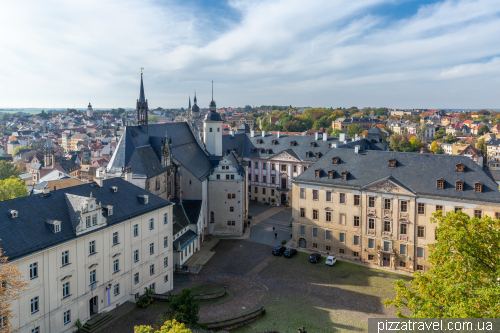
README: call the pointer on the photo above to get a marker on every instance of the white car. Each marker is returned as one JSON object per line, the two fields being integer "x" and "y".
{"x": 330, "y": 260}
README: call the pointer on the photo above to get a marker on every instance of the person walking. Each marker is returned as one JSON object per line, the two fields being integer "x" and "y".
{"x": 275, "y": 235}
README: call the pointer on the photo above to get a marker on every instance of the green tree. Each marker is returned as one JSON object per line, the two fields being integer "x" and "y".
{"x": 481, "y": 145}
{"x": 399, "y": 142}
{"x": 434, "y": 147}
{"x": 440, "y": 150}
{"x": 483, "y": 130}
{"x": 153, "y": 119}
{"x": 184, "y": 308}
{"x": 123, "y": 115}
{"x": 354, "y": 129}
{"x": 168, "y": 327}
{"x": 17, "y": 149}
{"x": 450, "y": 138}
{"x": 12, "y": 188}
{"x": 416, "y": 144}
{"x": 463, "y": 279}
{"x": 8, "y": 170}
{"x": 421, "y": 130}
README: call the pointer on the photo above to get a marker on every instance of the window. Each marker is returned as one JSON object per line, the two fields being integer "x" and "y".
{"x": 165, "y": 241}
{"x": 256, "y": 165}
{"x": 404, "y": 206}
{"x": 439, "y": 207}
{"x": 342, "y": 219}
{"x": 217, "y": 176}
{"x": 115, "y": 238}
{"x": 92, "y": 248}
{"x": 387, "y": 203}
{"x": 34, "y": 270}
{"x": 402, "y": 264}
{"x": 302, "y": 212}
{"x": 342, "y": 198}
{"x": 65, "y": 258}
{"x": 342, "y": 237}
{"x": 165, "y": 262}
{"x": 136, "y": 230}
{"x": 370, "y": 257}
{"x": 371, "y": 243}
{"x": 227, "y": 177}
{"x": 67, "y": 317}
{"x": 315, "y": 195}
{"x": 420, "y": 231}
{"x": 283, "y": 168}
{"x": 263, "y": 190}
{"x": 420, "y": 267}
{"x": 3, "y": 321}
{"x": 151, "y": 224}
{"x": 421, "y": 208}
{"x": 371, "y": 201}
{"x": 264, "y": 179}
{"x": 356, "y": 221}
{"x": 341, "y": 250}
{"x": 116, "y": 265}
{"x": 458, "y": 209}
{"x": 315, "y": 232}
{"x": 66, "y": 290}
{"x": 328, "y": 216}
{"x": 460, "y": 186}
{"x": 93, "y": 277}
{"x": 355, "y": 254}
{"x": 315, "y": 214}
{"x": 328, "y": 196}
{"x": 57, "y": 227}
{"x": 117, "y": 289}
{"x": 328, "y": 234}
{"x": 151, "y": 248}
{"x": 356, "y": 240}
{"x": 165, "y": 218}
{"x": 371, "y": 223}
{"x": 273, "y": 180}
{"x": 330, "y": 174}
{"x": 294, "y": 168}
{"x": 328, "y": 248}
{"x": 34, "y": 305}
{"x": 87, "y": 221}
{"x": 165, "y": 279}
{"x": 302, "y": 230}
{"x": 256, "y": 189}
{"x": 478, "y": 213}
{"x": 231, "y": 223}
{"x": 402, "y": 229}
{"x": 136, "y": 255}
{"x": 478, "y": 187}
{"x": 152, "y": 269}
{"x": 315, "y": 245}
{"x": 420, "y": 252}
{"x": 356, "y": 200}
{"x": 402, "y": 249}
{"x": 387, "y": 246}
{"x": 302, "y": 193}
{"x": 210, "y": 129}
{"x": 387, "y": 226}
{"x": 94, "y": 219}
{"x": 136, "y": 278}
{"x": 497, "y": 216}
{"x": 440, "y": 184}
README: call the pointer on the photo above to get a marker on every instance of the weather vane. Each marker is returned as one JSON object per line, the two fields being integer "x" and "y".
{"x": 142, "y": 68}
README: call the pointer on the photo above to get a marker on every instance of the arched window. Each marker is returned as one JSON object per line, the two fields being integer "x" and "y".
{"x": 212, "y": 218}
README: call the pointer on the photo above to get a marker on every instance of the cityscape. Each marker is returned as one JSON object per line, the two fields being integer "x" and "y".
{"x": 140, "y": 202}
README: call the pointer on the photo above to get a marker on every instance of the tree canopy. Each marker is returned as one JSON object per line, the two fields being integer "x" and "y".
{"x": 463, "y": 279}
{"x": 8, "y": 169}
{"x": 184, "y": 307}
{"x": 17, "y": 149}
{"x": 12, "y": 188}
{"x": 171, "y": 326}
{"x": 354, "y": 129}
{"x": 152, "y": 119}
{"x": 483, "y": 130}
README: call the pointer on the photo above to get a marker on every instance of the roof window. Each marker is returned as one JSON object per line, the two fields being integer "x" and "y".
{"x": 460, "y": 167}
{"x": 335, "y": 160}
{"x": 392, "y": 163}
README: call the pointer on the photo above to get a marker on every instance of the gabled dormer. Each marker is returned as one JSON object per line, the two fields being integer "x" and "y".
{"x": 392, "y": 163}
{"x": 335, "y": 160}
{"x": 460, "y": 167}
{"x": 85, "y": 212}
{"x": 54, "y": 225}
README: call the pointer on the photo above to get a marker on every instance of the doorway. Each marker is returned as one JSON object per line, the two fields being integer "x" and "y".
{"x": 283, "y": 183}
{"x": 302, "y": 243}
{"x": 386, "y": 259}
{"x": 93, "y": 305}
{"x": 283, "y": 198}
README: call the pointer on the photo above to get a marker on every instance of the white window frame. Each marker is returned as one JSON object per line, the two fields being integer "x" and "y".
{"x": 67, "y": 317}
{"x": 136, "y": 255}
{"x": 65, "y": 258}
{"x": 65, "y": 289}
{"x": 93, "y": 277}
{"x": 165, "y": 241}
{"x": 34, "y": 271}
{"x": 136, "y": 230}
{"x": 136, "y": 278}
{"x": 165, "y": 262}
{"x": 116, "y": 265}
{"x": 35, "y": 306}
{"x": 165, "y": 218}
{"x": 152, "y": 248}
{"x": 151, "y": 224}
{"x": 152, "y": 269}
{"x": 115, "y": 238}
{"x": 116, "y": 289}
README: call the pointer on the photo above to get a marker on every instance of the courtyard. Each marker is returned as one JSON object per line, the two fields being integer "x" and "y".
{"x": 294, "y": 292}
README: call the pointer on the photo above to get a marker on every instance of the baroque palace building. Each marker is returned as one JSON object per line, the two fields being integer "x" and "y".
{"x": 376, "y": 206}
{"x": 84, "y": 250}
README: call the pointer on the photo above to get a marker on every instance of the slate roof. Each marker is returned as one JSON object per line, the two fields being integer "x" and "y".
{"x": 417, "y": 172}
{"x": 145, "y": 163}
{"x": 184, "y": 147}
{"x": 244, "y": 142}
{"x": 185, "y": 212}
{"x": 29, "y": 233}
{"x": 183, "y": 241}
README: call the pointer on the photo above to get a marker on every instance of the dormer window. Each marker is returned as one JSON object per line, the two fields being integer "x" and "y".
{"x": 57, "y": 227}
{"x": 316, "y": 173}
{"x": 307, "y": 154}
{"x": 392, "y": 163}
{"x": 274, "y": 142}
{"x": 268, "y": 151}
{"x": 144, "y": 198}
{"x": 318, "y": 155}
{"x": 293, "y": 143}
{"x": 330, "y": 174}
{"x": 460, "y": 167}
{"x": 54, "y": 225}
{"x": 259, "y": 141}
{"x": 345, "y": 175}
{"x": 459, "y": 185}
{"x": 478, "y": 187}
{"x": 335, "y": 160}
{"x": 13, "y": 213}
{"x": 252, "y": 150}
{"x": 440, "y": 184}
{"x": 313, "y": 144}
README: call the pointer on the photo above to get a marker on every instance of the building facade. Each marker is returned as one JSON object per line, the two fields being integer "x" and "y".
{"x": 377, "y": 206}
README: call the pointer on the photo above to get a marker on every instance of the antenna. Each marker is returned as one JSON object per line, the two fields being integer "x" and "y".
{"x": 212, "y": 90}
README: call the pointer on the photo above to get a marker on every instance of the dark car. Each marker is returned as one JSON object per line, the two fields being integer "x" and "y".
{"x": 290, "y": 253}
{"x": 314, "y": 258}
{"x": 279, "y": 250}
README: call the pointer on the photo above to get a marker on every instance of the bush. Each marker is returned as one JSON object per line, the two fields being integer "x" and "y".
{"x": 184, "y": 308}
{"x": 283, "y": 242}
{"x": 144, "y": 302}
{"x": 249, "y": 217}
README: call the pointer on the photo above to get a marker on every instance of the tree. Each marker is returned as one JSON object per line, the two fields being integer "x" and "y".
{"x": 440, "y": 150}
{"x": 450, "y": 138}
{"x": 8, "y": 169}
{"x": 399, "y": 142}
{"x": 168, "y": 327}
{"x": 422, "y": 130}
{"x": 123, "y": 115}
{"x": 336, "y": 133}
{"x": 416, "y": 144}
{"x": 152, "y": 119}
{"x": 434, "y": 147}
{"x": 17, "y": 149}
{"x": 463, "y": 279}
{"x": 354, "y": 129}
{"x": 12, "y": 188}
{"x": 481, "y": 145}
{"x": 463, "y": 116}
{"x": 184, "y": 308}
{"x": 483, "y": 130}
{"x": 12, "y": 284}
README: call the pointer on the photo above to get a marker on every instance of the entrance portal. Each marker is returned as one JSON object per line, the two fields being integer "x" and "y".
{"x": 93, "y": 306}
{"x": 302, "y": 243}
{"x": 283, "y": 198}
{"x": 386, "y": 259}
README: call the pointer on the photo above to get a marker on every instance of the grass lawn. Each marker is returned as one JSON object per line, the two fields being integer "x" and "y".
{"x": 203, "y": 289}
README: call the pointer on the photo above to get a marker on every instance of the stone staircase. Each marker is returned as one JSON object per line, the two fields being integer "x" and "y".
{"x": 97, "y": 322}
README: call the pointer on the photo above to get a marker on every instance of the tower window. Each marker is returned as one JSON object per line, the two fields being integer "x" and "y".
{"x": 210, "y": 129}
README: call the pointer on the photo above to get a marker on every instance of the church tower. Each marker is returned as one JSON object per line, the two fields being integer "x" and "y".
{"x": 212, "y": 129}
{"x": 195, "y": 110}
{"x": 142, "y": 107}
{"x": 48, "y": 152}
{"x": 90, "y": 112}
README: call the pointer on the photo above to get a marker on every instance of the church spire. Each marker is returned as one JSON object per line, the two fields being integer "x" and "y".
{"x": 142, "y": 98}
{"x": 213, "y": 107}
{"x": 189, "y": 107}
{"x": 142, "y": 106}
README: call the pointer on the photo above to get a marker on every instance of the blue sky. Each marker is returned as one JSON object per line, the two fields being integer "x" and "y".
{"x": 393, "y": 53}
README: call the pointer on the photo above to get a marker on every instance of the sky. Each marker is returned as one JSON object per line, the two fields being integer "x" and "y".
{"x": 319, "y": 53}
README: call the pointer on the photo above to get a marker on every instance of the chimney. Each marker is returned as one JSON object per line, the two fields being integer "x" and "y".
{"x": 252, "y": 133}
{"x": 363, "y": 136}
{"x": 263, "y": 134}
{"x": 45, "y": 190}
{"x": 278, "y": 135}
{"x": 325, "y": 136}
{"x": 316, "y": 136}
{"x": 356, "y": 137}
{"x": 334, "y": 145}
{"x": 128, "y": 174}
{"x": 342, "y": 137}
{"x": 231, "y": 133}
{"x": 53, "y": 160}
{"x": 356, "y": 149}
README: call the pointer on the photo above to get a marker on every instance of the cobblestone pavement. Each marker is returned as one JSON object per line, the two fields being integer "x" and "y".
{"x": 264, "y": 233}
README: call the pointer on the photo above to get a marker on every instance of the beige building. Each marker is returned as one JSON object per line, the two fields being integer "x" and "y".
{"x": 85, "y": 250}
{"x": 376, "y": 206}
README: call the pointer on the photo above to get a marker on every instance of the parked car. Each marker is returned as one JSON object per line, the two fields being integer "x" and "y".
{"x": 314, "y": 258}
{"x": 330, "y": 260}
{"x": 290, "y": 253}
{"x": 279, "y": 250}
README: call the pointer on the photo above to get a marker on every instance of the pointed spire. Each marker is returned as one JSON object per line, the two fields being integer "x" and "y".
{"x": 195, "y": 101}
{"x": 212, "y": 90}
{"x": 189, "y": 108}
{"x": 141, "y": 94}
